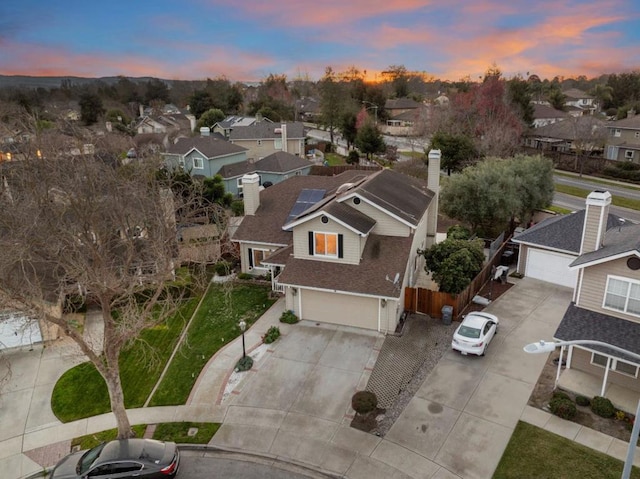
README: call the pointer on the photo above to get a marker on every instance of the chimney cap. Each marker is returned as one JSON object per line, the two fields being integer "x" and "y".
{"x": 599, "y": 198}
{"x": 250, "y": 178}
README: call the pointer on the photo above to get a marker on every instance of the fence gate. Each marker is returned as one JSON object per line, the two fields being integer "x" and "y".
{"x": 417, "y": 300}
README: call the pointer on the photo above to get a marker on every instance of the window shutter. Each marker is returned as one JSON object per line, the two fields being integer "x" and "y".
{"x": 311, "y": 243}
{"x": 340, "y": 249}
{"x": 250, "y": 257}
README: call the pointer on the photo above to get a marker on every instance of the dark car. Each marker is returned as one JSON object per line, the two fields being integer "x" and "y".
{"x": 143, "y": 458}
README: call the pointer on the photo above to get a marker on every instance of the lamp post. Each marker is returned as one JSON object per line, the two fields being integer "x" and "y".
{"x": 547, "y": 346}
{"x": 243, "y": 328}
{"x": 375, "y": 109}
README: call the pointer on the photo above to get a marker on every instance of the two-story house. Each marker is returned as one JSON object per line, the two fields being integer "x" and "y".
{"x": 623, "y": 139}
{"x": 271, "y": 170}
{"x": 545, "y": 115}
{"x": 227, "y": 125}
{"x": 606, "y": 308}
{"x": 578, "y": 102}
{"x": 341, "y": 248}
{"x": 203, "y": 155}
{"x": 263, "y": 138}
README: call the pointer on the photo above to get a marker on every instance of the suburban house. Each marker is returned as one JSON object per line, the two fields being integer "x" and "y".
{"x": 203, "y": 155}
{"x": 263, "y": 138}
{"x": 549, "y": 247}
{"x": 398, "y": 106}
{"x": 623, "y": 139}
{"x": 605, "y": 308}
{"x": 583, "y": 133}
{"x": 307, "y": 109}
{"x": 271, "y": 170}
{"x": 225, "y": 126}
{"x": 341, "y": 248}
{"x": 173, "y": 123}
{"x": 546, "y": 115}
{"x": 578, "y": 102}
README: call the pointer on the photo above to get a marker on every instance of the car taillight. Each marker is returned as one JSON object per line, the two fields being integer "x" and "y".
{"x": 171, "y": 468}
{"x": 479, "y": 345}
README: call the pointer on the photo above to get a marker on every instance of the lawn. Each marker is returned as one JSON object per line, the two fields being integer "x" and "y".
{"x": 334, "y": 159}
{"x": 214, "y": 325}
{"x": 535, "y": 453}
{"x": 81, "y": 391}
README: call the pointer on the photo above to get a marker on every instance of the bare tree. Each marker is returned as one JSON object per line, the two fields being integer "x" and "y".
{"x": 589, "y": 135}
{"x": 82, "y": 225}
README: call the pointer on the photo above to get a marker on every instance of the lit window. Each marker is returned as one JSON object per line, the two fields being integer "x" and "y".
{"x": 326, "y": 244}
{"x": 623, "y": 295}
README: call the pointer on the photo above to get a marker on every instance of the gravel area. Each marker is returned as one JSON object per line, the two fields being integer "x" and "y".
{"x": 438, "y": 342}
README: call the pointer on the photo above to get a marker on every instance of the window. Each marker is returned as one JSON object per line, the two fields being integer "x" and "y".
{"x": 616, "y": 132}
{"x": 277, "y": 143}
{"x": 629, "y": 154}
{"x": 239, "y": 185}
{"x": 198, "y": 164}
{"x": 256, "y": 256}
{"x": 617, "y": 365}
{"x": 622, "y": 295}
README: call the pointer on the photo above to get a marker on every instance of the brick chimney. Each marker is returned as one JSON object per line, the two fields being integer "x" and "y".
{"x": 433, "y": 183}
{"x": 251, "y": 193}
{"x": 595, "y": 221}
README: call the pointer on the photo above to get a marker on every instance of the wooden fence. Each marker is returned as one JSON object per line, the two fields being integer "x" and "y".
{"x": 336, "y": 170}
{"x": 430, "y": 302}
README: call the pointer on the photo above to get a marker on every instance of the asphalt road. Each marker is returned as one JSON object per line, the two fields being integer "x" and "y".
{"x": 576, "y": 203}
{"x": 588, "y": 184}
{"x": 194, "y": 465}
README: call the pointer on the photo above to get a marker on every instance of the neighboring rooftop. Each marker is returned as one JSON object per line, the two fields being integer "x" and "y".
{"x": 267, "y": 130}
{"x": 209, "y": 146}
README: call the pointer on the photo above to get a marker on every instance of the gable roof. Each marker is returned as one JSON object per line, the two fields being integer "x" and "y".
{"x": 620, "y": 241}
{"x": 278, "y": 162}
{"x": 276, "y": 203}
{"x": 566, "y": 129}
{"x": 546, "y": 111}
{"x": 576, "y": 94}
{"x": 632, "y": 123}
{"x": 401, "y": 103}
{"x": 210, "y": 146}
{"x": 267, "y": 130}
{"x": 350, "y": 217}
{"x": 561, "y": 233}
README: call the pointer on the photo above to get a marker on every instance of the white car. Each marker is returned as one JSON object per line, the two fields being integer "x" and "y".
{"x": 475, "y": 333}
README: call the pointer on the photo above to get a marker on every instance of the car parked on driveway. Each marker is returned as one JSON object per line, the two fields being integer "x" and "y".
{"x": 121, "y": 459}
{"x": 475, "y": 333}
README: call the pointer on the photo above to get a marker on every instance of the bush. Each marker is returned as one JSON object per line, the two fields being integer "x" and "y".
{"x": 271, "y": 335}
{"x": 289, "y": 317}
{"x": 563, "y": 408}
{"x": 582, "y": 401}
{"x": 244, "y": 276}
{"x": 602, "y": 407}
{"x": 364, "y": 402}
{"x": 244, "y": 364}
{"x": 353, "y": 158}
{"x": 561, "y": 395}
{"x": 458, "y": 232}
{"x": 237, "y": 207}
{"x": 222, "y": 268}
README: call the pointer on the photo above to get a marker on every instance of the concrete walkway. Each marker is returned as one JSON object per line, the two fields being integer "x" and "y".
{"x": 456, "y": 426}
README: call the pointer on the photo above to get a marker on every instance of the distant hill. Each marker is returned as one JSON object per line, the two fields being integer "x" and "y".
{"x": 55, "y": 82}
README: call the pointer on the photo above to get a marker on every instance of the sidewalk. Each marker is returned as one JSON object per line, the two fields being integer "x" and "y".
{"x": 456, "y": 426}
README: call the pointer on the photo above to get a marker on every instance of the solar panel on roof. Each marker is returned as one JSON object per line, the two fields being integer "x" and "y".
{"x": 306, "y": 199}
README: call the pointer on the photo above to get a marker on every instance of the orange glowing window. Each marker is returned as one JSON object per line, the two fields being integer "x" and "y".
{"x": 326, "y": 244}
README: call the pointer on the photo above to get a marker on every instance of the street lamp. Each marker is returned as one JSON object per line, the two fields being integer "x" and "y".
{"x": 243, "y": 328}
{"x": 375, "y": 109}
{"x": 547, "y": 346}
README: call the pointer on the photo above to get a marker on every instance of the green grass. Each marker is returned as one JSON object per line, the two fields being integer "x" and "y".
{"x": 177, "y": 432}
{"x": 81, "y": 392}
{"x": 92, "y": 440}
{"x": 535, "y": 453}
{"x": 416, "y": 155}
{"x": 559, "y": 209}
{"x": 593, "y": 179}
{"x": 334, "y": 159}
{"x": 615, "y": 200}
{"x": 214, "y": 325}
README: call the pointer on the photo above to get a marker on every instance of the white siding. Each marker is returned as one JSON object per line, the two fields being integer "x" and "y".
{"x": 385, "y": 224}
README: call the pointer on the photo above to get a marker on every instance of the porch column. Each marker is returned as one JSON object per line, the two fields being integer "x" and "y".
{"x": 569, "y": 356}
{"x": 559, "y": 367}
{"x": 606, "y": 375}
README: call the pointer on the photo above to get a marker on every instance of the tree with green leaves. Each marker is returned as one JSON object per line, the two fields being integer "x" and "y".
{"x": 200, "y": 102}
{"x": 210, "y": 118}
{"x": 454, "y": 263}
{"x": 457, "y": 150}
{"x": 156, "y": 90}
{"x": 520, "y": 97}
{"x": 332, "y": 101}
{"x": 369, "y": 139}
{"x": 490, "y": 195}
{"x": 348, "y": 128}
{"x": 557, "y": 98}
{"x": 90, "y": 108}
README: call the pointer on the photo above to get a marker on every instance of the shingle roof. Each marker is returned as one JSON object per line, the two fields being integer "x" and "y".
{"x": 382, "y": 256}
{"x": 579, "y": 323}
{"x": 545, "y": 111}
{"x": 207, "y": 145}
{"x": 565, "y": 129}
{"x": 401, "y": 103}
{"x": 562, "y": 232}
{"x": 631, "y": 123}
{"x": 277, "y": 200}
{"x": 266, "y": 130}
{"x": 278, "y": 162}
{"x": 620, "y": 240}
{"x": 404, "y": 196}
{"x": 350, "y": 216}
{"x": 575, "y": 94}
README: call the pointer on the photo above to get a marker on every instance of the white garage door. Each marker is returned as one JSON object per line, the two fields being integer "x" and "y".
{"x": 344, "y": 309}
{"x": 551, "y": 267}
{"x": 18, "y": 330}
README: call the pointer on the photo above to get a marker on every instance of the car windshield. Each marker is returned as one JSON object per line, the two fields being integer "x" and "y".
{"x": 469, "y": 332}
{"x": 88, "y": 458}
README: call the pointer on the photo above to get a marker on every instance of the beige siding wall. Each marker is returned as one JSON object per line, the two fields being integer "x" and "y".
{"x": 351, "y": 241}
{"x": 581, "y": 360}
{"x": 589, "y": 241}
{"x": 244, "y": 258}
{"x": 267, "y": 147}
{"x": 594, "y": 282}
{"x": 385, "y": 224}
{"x": 522, "y": 259}
{"x": 344, "y": 309}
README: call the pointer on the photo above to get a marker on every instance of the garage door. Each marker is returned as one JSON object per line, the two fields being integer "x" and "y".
{"x": 551, "y": 267}
{"x": 342, "y": 309}
{"x": 17, "y": 330}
